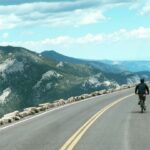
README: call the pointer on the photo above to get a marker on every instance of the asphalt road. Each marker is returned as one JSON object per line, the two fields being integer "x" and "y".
{"x": 121, "y": 127}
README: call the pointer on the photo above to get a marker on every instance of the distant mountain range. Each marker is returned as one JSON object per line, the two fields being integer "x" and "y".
{"x": 28, "y": 78}
{"x": 103, "y": 65}
{"x": 133, "y": 66}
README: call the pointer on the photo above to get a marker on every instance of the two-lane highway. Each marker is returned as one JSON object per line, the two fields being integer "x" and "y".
{"x": 119, "y": 127}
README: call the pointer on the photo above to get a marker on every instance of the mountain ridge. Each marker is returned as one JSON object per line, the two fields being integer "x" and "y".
{"x": 97, "y": 64}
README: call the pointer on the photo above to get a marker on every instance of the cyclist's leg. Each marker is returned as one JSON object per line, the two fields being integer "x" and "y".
{"x": 144, "y": 99}
{"x": 142, "y": 105}
{"x": 140, "y": 98}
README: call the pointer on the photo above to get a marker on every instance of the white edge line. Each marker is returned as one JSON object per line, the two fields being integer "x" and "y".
{"x": 54, "y": 109}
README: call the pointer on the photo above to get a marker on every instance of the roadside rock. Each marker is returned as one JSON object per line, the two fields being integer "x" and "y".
{"x": 31, "y": 110}
{"x": 9, "y": 118}
{"x": 71, "y": 100}
{"x": 11, "y": 115}
{"x": 59, "y": 102}
{"x": 24, "y": 114}
{"x": 45, "y": 106}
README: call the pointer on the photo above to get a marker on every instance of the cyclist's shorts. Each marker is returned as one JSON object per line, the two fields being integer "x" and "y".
{"x": 142, "y": 97}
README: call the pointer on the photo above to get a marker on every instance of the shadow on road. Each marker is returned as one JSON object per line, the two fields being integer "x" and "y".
{"x": 139, "y": 112}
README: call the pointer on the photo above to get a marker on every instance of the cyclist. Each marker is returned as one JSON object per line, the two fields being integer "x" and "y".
{"x": 142, "y": 89}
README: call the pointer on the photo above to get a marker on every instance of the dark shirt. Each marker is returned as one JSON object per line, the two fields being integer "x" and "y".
{"x": 142, "y": 88}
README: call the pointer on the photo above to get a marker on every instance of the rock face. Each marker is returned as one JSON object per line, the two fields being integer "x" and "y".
{"x": 28, "y": 79}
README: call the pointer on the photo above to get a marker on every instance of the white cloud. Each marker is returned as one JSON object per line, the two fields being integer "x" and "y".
{"x": 141, "y": 6}
{"x": 146, "y": 8}
{"x": 50, "y": 14}
{"x": 5, "y": 35}
{"x": 140, "y": 33}
{"x": 100, "y": 38}
{"x": 45, "y": 13}
{"x": 58, "y": 40}
{"x": 90, "y": 38}
{"x": 9, "y": 21}
{"x": 122, "y": 34}
{"x": 91, "y": 16}
{"x": 53, "y": 13}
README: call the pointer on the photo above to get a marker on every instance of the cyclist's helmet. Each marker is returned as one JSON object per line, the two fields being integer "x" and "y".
{"x": 142, "y": 80}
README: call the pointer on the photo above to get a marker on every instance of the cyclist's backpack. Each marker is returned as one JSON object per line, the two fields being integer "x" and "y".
{"x": 141, "y": 88}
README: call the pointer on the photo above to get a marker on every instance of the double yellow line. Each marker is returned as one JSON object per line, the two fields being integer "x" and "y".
{"x": 73, "y": 140}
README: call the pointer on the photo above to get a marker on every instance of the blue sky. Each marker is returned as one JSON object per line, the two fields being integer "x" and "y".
{"x": 90, "y": 29}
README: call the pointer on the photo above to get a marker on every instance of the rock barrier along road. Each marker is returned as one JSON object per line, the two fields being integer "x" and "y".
{"x": 107, "y": 122}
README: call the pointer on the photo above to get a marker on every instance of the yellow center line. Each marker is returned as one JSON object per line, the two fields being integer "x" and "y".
{"x": 73, "y": 140}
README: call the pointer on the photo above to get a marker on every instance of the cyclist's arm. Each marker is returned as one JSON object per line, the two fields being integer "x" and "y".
{"x": 147, "y": 88}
